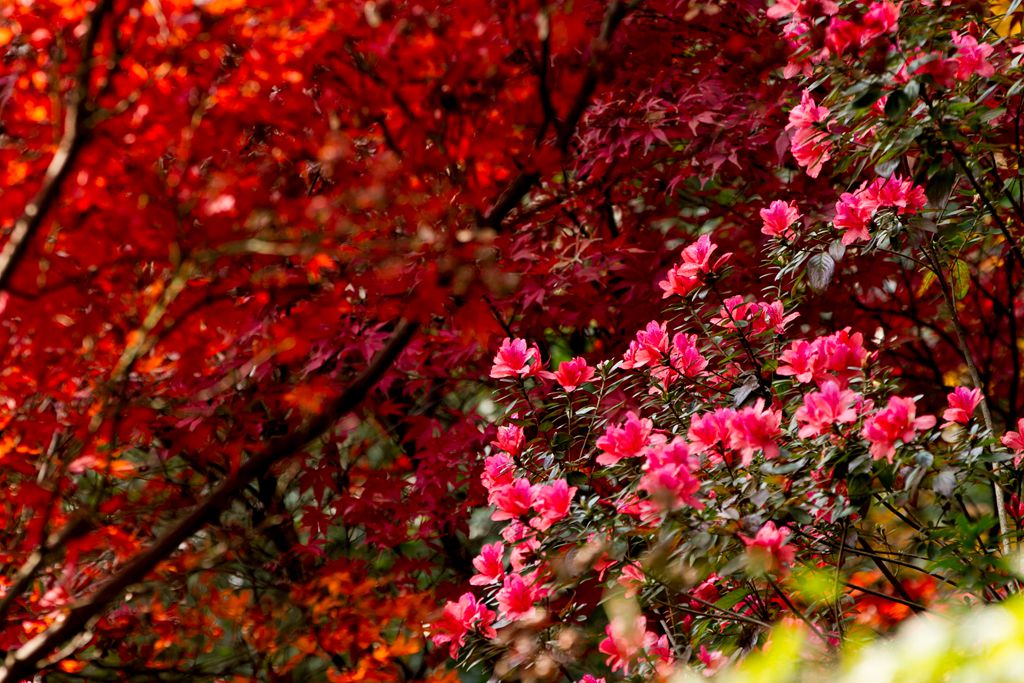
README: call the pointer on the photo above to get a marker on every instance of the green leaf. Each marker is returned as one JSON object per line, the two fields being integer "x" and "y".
{"x": 961, "y": 279}
{"x": 896, "y": 105}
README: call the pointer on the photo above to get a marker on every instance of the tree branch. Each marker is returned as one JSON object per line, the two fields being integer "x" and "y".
{"x": 67, "y": 150}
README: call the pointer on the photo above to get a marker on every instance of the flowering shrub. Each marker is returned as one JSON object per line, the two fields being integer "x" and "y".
{"x": 742, "y": 463}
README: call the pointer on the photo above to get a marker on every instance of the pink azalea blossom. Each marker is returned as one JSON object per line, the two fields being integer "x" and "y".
{"x": 458, "y": 619}
{"x": 802, "y": 9}
{"x": 626, "y": 440}
{"x": 631, "y": 579}
{"x": 669, "y": 474}
{"x": 513, "y": 500}
{"x": 695, "y": 266}
{"x": 711, "y": 431}
{"x": 1015, "y": 441}
{"x": 499, "y": 472}
{"x": 713, "y": 660}
{"x": 778, "y": 219}
{"x": 824, "y": 409}
{"x": 756, "y": 428}
{"x": 768, "y": 550}
{"x": 572, "y": 373}
{"x": 624, "y": 642}
{"x": 510, "y": 439}
{"x": 897, "y": 422}
{"x": 971, "y": 58}
{"x": 518, "y": 595}
{"x": 962, "y": 403}
{"x": 649, "y": 348}
{"x": 853, "y": 217}
{"x": 809, "y": 141}
{"x": 489, "y": 564}
{"x": 516, "y": 359}
{"x": 881, "y": 18}
{"x": 684, "y": 360}
{"x": 587, "y": 678}
{"x": 551, "y": 502}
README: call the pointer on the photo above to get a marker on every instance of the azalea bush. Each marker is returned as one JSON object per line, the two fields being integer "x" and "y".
{"x": 759, "y": 454}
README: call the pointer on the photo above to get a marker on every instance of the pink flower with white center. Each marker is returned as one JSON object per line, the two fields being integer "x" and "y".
{"x": 809, "y": 141}
{"x": 971, "y": 58}
{"x": 499, "y": 472}
{"x": 711, "y": 431}
{"x": 1015, "y": 442}
{"x": 768, "y": 551}
{"x": 512, "y": 501}
{"x": 516, "y": 359}
{"x": 778, "y": 219}
{"x": 962, "y": 403}
{"x": 572, "y": 373}
{"x": 823, "y": 409}
{"x": 552, "y": 503}
{"x": 756, "y": 428}
{"x": 624, "y": 641}
{"x": 669, "y": 475}
{"x": 518, "y": 595}
{"x": 650, "y": 348}
{"x": 626, "y": 440}
{"x": 489, "y": 564}
{"x": 458, "y": 619}
{"x": 510, "y": 439}
{"x": 897, "y": 422}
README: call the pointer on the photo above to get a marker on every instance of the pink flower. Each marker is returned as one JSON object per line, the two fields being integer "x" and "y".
{"x": 552, "y": 503}
{"x": 767, "y": 551}
{"x": 779, "y": 218}
{"x": 881, "y": 18}
{"x": 853, "y": 217}
{"x": 896, "y": 422}
{"x": 514, "y": 359}
{"x": 624, "y": 641}
{"x": 684, "y": 360}
{"x": 518, "y": 596}
{"x": 458, "y": 619}
{"x": 800, "y": 360}
{"x": 809, "y": 141}
{"x": 842, "y": 353}
{"x": 713, "y": 660}
{"x": 802, "y": 9}
{"x": 962, "y": 403}
{"x": 823, "y": 409}
{"x": 696, "y": 264}
{"x": 649, "y": 348}
{"x": 624, "y": 441}
{"x": 711, "y": 430}
{"x": 1015, "y": 441}
{"x": 489, "y": 564}
{"x": 760, "y": 316}
{"x": 893, "y": 192}
{"x": 669, "y": 474}
{"x": 631, "y": 579}
{"x": 572, "y": 373}
{"x": 587, "y": 678}
{"x": 499, "y": 472}
{"x": 841, "y": 35}
{"x": 756, "y": 428}
{"x": 971, "y": 58}
{"x": 510, "y": 439}
{"x": 513, "y": 500}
